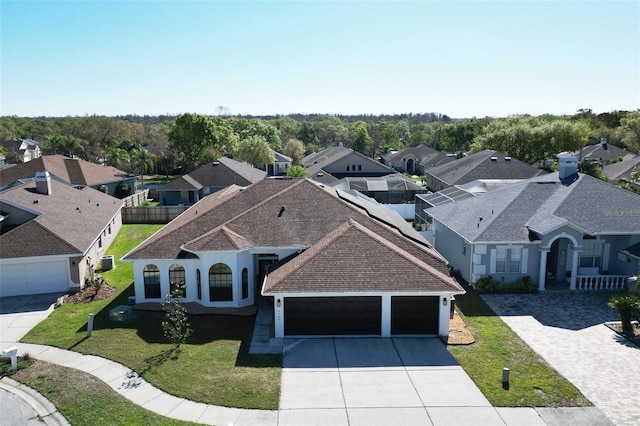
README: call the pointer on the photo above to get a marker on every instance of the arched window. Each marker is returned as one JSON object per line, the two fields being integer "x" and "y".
{"x": 151, "y": 276}
{"x": 245, "y": 283}
{"x": 220, "y": 283}
{"x": 176, "y": 278}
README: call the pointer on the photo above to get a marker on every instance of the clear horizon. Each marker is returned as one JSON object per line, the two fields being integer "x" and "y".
{"x": 463, "y": 59}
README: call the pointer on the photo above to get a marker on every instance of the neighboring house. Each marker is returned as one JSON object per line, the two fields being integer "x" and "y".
{"x": 205, "y": 180}
{"x": 561, "y": 228}
{"x": 487, "y": 164}
{"x": 602, "y": 152}
{"x": 415, "y": 160}
{"x": 333, "y": 263}
{"x": 622, "y": 170}
{"x": 27, "y": 149}
{"x": 52, "y": 235}
{"x": 281, "y": 163}
{"x": 338, "y": 162}
{"x": 74, "y": 171}
{"x": 396, "y": 192}
{"x": 452, "y": 194}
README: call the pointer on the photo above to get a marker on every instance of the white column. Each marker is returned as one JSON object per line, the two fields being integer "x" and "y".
{"x": 445, "y": 306}
{"x": 386, "y": 316}
{"x": 279, "y": 316}
{"x": 574, "y": 267}
{"x": 542, "y": 278}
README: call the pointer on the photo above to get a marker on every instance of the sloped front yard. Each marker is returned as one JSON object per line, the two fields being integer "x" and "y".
{"x": 212, "y": 367}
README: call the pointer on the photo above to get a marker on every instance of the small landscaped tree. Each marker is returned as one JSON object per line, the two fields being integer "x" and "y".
{"x": 626, "y": 305}
{"x": 176, "y": 326}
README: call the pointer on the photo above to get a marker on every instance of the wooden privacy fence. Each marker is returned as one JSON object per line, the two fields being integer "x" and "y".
{"x": 136, "y": 199}
{"x": 157, "y": 214}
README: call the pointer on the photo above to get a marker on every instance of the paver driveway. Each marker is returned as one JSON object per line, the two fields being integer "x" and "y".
{"x": 566, "y": 329}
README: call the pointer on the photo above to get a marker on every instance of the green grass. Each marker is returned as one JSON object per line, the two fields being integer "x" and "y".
{"x": 533, "y": 383}
{"x": 85, "y": 400}
{"x": 213, "y": 366}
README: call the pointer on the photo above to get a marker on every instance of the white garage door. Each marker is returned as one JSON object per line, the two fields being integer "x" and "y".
{"x": 34, "y": 278}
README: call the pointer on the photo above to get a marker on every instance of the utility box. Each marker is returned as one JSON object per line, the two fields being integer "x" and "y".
{"x": 121, "y": 313}
{"x": 131, "y": 300}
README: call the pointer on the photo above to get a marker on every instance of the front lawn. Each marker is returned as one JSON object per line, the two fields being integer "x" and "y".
{"x": 86, "y": 400}
{"x": 213, "y": 367}
{"x": 533, "y": 383}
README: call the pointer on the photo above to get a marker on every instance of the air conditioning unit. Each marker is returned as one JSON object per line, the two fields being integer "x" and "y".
{"x": 107, "y": 263}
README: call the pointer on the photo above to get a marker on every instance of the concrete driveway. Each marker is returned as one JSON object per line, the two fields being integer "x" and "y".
{"x": 566, "y": 329}
{"x": 19, "y": 314}
{"x": 407, "y": 381}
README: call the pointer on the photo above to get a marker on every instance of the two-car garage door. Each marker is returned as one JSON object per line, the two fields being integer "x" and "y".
{"x": 335, "y": 316}
{"x": 34, "y": 278}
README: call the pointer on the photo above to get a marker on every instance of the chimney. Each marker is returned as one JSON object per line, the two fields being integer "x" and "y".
{"x": 43, "y": 183}
{"x": 568, "y": 167}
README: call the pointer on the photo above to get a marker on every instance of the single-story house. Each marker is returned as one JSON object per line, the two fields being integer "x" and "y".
{"x": 74, "y": 171}
{"x": 602, "y": 152}
{"x": 332, "y": 263}
{"x": 338, "y": 162}
{"x": 487, "y": 164}
{"x": 205, "y": 180}
{"x": 27, "y": 149}
{"x": 563, "y": 228}
{"x": 281, "y": 163}
{"x": 621, "y": 170}
{"x": 53, "y": 236}
{"x": 415, "y": 160}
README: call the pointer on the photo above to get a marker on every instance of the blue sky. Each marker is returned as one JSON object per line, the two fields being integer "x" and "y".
{"x": 463, "y": 59}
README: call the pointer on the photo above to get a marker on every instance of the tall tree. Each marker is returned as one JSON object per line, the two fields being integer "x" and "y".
{"x": 255, "y": 150}
{"x": 142, "y": 161}
{"x": 294, "y": 148}
{"x": 192, "y": 134}
{"x": 630, "y": 130}
{"x": 361, "y": 140}
{"x": 246, "y": 127}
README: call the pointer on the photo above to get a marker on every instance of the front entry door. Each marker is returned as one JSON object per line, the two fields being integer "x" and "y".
{"x": 264, "y": 262}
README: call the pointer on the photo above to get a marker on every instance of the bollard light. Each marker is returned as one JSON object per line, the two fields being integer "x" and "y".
{"x": 505, "y": 378}
{"x": 90, "y": 325}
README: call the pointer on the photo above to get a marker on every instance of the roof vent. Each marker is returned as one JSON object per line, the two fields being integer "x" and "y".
{"x": 507, "y": 158}
{"x": 494, "y": 158}
{"x": 320, "y": 174}
{"x": 215, "y": 163}
{"x": 281, "y": 211}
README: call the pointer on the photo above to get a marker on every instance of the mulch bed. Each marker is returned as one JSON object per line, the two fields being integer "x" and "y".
{"x": 88, "y": 294}
{"x": 617, "y": 327}
{"x": 459, "y": 334}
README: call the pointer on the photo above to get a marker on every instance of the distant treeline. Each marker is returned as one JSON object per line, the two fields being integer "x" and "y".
{"x": 96, "y": 138}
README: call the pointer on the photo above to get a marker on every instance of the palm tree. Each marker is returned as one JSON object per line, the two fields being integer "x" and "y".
{"x": 625, "y": 305}
{"x": 297, "y": 171}
{"x": 117, "y": 156}
{"x": 142, "y": 160}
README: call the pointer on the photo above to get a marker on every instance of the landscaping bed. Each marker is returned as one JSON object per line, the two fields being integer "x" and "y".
{"x": 617, "y": 327}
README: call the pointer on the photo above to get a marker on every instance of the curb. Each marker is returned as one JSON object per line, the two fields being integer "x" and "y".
{"x": 42, "y": 406}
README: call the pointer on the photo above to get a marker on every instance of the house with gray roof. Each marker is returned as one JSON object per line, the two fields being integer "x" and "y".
{"x": 27, "y": 149}
{"x": 332, "y": 262}
{"x": 621, "y": 170}
{"x": 338, "y": 162}
{"x": 602, "y": 152}
{"x": 563, "y": 228}
{"x": 281, "y": 163}
{"x": 205, "y": 180}
{"x": 486, "y": 164}
{"x": 52, "y": 235}
{"x": 416, "y": 159}
{"x": 74, "y": 171}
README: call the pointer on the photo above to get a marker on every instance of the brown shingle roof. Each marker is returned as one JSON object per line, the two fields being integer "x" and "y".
{"x": 69, "y": 220}
{"x": 352, "y": 258}
{"x": 70, "y": 170}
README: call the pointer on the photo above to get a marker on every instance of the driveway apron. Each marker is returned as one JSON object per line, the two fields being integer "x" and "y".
{"x": 566, "y": 329}
{"x": 378, "y": 381}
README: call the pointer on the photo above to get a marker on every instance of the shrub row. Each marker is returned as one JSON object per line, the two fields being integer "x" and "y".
{"x": 521, "y": 285}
